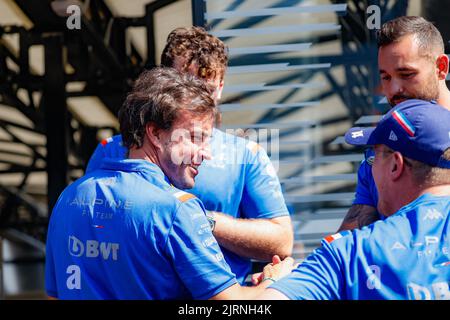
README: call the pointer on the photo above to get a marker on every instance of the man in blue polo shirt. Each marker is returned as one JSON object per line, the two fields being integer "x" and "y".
{"x": 127, "y": 230}
{"x": 412, "y": 65}
{"x": 407, "y": 255}
{"x": 238, "y": 185}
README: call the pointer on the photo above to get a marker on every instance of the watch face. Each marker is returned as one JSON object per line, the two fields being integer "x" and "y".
{"x": 212, "y": 224}
{"x": 211, "y": 220}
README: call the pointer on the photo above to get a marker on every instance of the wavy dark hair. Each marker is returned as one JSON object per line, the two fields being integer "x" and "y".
{"x": 157, "y": 96}
{"x": 195, "y": 45}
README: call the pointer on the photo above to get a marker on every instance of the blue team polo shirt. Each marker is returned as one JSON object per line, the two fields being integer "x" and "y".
{"x": 406, "y": 256}
{"x": 123, "y": 232}
{"x": 239, "y": 180}
{"x": 366, "y": 190}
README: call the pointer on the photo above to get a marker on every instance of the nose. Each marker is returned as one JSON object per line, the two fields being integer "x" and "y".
{"x": 203, "y": 153}
{"x": 395, "y": 88}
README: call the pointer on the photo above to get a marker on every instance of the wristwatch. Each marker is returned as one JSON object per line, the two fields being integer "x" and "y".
{"x": 212, "y": 221}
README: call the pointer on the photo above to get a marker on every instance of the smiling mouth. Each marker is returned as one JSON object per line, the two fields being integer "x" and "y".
{"x": 194, "y": 168}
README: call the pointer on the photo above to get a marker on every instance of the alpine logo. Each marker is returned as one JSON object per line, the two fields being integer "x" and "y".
{"x": 393, "y": 136}
{"x": 398, "y": 246}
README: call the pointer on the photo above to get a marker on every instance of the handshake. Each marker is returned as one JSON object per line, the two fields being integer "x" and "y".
{"x": 275, "y": 270}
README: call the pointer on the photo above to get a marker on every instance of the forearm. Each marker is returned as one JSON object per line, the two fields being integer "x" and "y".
{"x": 358, "y": 216}
{"x": 255, "y": 238}
{"x": 271, "y": 294}
{"x": 271, "y": 272}
{"x": 238, "y": 292}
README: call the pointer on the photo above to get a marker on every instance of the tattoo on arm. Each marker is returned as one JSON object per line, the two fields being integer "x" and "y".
{"x": 358, "y": 216}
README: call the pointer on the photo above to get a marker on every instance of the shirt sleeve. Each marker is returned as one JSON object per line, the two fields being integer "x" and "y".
{"x": 363, "y": 190}
{"x": 262, "y": 195}
{"x": 195, "y": 253}
{"x": 319, "y": 277}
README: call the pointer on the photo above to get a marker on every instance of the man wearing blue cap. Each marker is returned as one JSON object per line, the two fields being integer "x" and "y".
{"x": 412, "y": 65}
{"x": 407, "y": 255}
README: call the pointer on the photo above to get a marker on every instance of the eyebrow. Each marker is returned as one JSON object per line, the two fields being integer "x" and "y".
{"x": 407, "y": 68}
{"x": 204, "y": 133}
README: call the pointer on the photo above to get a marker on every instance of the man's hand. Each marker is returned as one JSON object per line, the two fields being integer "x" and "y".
{"x": 275, "y": 270}
{"x": 258, "y": 277}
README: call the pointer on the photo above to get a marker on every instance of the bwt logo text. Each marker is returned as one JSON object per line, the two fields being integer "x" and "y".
{"x": 93, "y": 249}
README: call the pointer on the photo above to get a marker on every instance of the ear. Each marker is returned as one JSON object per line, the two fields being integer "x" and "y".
{"x": 153, "y": 135}
{"x": 219, "y": 91}
{"x": 442, "y": 66}
{"x": 397, "y": 166}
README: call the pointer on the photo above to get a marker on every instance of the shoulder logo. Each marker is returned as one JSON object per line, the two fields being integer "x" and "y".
{"x": 108, "y": 181}
{"x": 183, "y": 196}
{"x": 398, "y": 246}
{"x": 393, "y": 136}
{"x": 433, "y": 214}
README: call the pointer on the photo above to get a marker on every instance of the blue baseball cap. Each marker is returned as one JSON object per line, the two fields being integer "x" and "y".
{"x": 418, "y": 129}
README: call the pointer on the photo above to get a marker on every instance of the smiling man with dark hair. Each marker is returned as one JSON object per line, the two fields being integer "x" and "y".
{"x": 238, "y": 186}
{"x": 127, "y": 230}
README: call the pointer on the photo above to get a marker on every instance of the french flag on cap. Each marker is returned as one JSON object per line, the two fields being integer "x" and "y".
{"x": 406, "y": 125}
